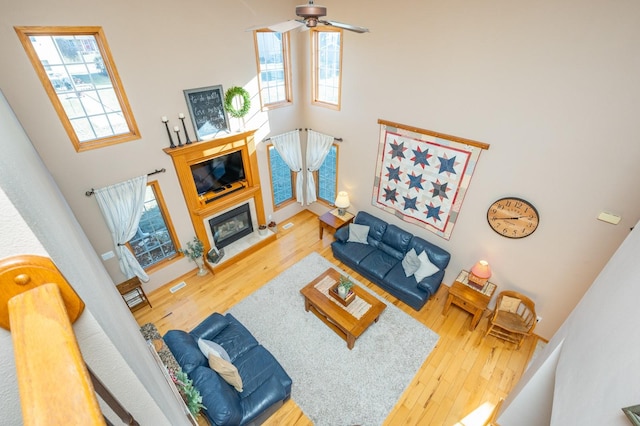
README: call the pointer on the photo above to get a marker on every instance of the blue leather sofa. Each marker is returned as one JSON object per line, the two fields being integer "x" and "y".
{"x": 380, "y": 260}
{"x": 266, "y": 386}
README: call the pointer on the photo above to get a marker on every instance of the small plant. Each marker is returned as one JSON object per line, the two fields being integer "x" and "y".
{"x": 263, "y": 227}
{"x": 194, "y": 249}
{"x": 189, "y": 393}
{"x": 345, "y": 283}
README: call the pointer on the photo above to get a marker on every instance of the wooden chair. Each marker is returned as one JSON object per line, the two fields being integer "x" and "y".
{"x": 514, "y": 317}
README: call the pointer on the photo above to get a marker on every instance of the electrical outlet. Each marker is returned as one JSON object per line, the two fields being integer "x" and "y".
{"x": 538, "y": 319}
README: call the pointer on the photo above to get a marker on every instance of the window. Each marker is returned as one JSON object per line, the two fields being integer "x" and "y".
{"x": 327, "y": 177}
{"x": 282, "y": 186}
{"x": 155, "y": 241}
{"x": 80, "y": 77}
{"x": 274, "y": 72}
{"x": 326, "y": 66}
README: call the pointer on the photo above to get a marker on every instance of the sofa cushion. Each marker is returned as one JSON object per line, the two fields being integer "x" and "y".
{"x": 353, "y": 251}
{"x": 226, "y": 370}
{"x": 185, "y": 349}
{"x": 358, "y": 233}
{"x": 410, "y": 263}
{"x": 234, "y": 338}
{"x": 220, "y": 399}
{"x": 426, "y": 268}
{"x": 378, "y": 264}
{"x": 376, "y": 227}
{"x": 437, "y": 255}
{"x": 208, "y": 347}
{"x": 397, "y": 239}
{"x": 211, "y": 326}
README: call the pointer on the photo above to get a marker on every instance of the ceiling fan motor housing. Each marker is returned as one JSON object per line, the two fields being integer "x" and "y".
{"x": 310, "y": 10}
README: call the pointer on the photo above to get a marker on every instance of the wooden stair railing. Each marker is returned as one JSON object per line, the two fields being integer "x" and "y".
{"x": 37, "y": 305}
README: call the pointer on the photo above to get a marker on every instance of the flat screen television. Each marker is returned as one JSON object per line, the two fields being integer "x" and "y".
{"x": 217, "y": 173}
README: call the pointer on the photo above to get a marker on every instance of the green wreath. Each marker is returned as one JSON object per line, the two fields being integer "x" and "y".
{"x": 228, "y": 102}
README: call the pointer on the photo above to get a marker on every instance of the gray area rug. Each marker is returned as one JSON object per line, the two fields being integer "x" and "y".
{"x": 332, "y": 384}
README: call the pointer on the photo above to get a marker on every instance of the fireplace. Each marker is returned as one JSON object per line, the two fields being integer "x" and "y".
{"x": 231, "y": 226}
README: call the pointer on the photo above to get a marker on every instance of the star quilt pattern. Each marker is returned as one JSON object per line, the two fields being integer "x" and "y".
{"x": 423, "y": 179}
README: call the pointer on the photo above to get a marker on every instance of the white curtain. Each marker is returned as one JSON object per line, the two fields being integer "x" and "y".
{"x": 288, "y": 146}
{"x": 122, "y": 205}
{"x": 318, "y": 146}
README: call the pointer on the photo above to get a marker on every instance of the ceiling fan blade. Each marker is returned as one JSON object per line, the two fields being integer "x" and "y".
{"x": 349, "y": 27}
{"x": 281, "y": 27}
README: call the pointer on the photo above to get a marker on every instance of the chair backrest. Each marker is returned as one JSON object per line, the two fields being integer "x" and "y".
{"x": 519, "y": 304}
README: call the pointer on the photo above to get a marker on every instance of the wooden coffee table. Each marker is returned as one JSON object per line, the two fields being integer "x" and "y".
{"x": 336, "y": 316}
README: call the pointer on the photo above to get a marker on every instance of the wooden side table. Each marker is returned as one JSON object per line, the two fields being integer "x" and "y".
{"x": 332, "y": 222}
{"x": 133, "y": 294}
{"x": 469, "y": 298}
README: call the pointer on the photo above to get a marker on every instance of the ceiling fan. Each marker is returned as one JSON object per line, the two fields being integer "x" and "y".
{"x": 311, "y": 14}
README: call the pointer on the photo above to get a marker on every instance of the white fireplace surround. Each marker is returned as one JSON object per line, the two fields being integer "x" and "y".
{"x": 243, "y": 243}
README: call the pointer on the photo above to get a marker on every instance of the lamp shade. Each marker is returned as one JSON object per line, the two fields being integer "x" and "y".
{"x": 342, "y": 200}
{"x": 481, "y": 269}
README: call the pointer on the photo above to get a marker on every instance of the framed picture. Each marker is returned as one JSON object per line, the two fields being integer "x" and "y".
{"x": 206, "y": 107}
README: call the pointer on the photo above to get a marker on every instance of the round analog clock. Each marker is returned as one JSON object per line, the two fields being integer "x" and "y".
{"x": 513, "y": 217}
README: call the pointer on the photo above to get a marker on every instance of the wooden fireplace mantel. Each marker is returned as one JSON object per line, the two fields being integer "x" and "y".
{"x": 211, "y": 203}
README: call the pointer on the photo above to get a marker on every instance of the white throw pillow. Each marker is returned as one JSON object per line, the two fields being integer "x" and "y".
{"x": 426, "y": 268}
{"x": 358, "y": 233}
{"x": 410, "y": 263}
{"x": 207, "y": 347}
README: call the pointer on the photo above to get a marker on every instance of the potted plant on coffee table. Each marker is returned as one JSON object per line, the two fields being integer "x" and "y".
{"x": 344, "y": 286}
{"x": 194, "y": 251}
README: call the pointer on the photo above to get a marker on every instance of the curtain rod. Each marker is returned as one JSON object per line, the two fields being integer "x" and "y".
{"x": 335, "y": 139}
{"x": 268, "y": 139}
{"x": 155, "y": 172}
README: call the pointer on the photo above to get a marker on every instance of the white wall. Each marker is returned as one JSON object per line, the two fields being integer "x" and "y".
{"x": 596, "y": 352}
{"x": 551, "y": 86}
{"x": 35, "y": 219}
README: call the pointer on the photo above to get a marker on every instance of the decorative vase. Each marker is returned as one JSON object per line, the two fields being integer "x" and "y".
{"x": 342, "y": 291}
{"x": 200, "y": 262}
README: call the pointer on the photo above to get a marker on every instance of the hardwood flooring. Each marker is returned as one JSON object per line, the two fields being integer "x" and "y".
{"x": 464, "y": 374}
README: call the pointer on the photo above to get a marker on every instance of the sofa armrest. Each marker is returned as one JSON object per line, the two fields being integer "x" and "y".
{"x": 222, "y": 402}
{"x": 211, "y": 326}
{"x": 267, "y": 394}
{"x": 342, "y": 234}
{"x": 431, "y": 284}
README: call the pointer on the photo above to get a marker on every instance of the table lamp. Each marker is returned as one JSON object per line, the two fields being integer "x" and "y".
{"x": 480, "y": 274}
{"x": 342, "y": 202}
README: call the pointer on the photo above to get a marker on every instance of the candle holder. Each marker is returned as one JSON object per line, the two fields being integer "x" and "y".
{"x": 166, "y": 124}
{"x": 186, "y": 134}
{"x": 177, "y": 130}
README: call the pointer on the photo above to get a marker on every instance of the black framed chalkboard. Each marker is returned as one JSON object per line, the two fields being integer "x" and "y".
{"x": 206, "y": 106}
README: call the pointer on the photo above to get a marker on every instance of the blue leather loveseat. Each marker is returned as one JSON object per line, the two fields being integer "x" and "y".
{"x": 265, "y": 384}
{"x": 380, "y": 257}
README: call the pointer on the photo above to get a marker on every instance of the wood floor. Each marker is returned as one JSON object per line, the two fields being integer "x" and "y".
{"x": 464, "y": 373}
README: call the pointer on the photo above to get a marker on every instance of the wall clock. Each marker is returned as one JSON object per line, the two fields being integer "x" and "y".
{"x": 513, "y": 217}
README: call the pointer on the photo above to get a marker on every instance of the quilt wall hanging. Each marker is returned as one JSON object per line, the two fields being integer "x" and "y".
{"x": 422, "y": 176}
